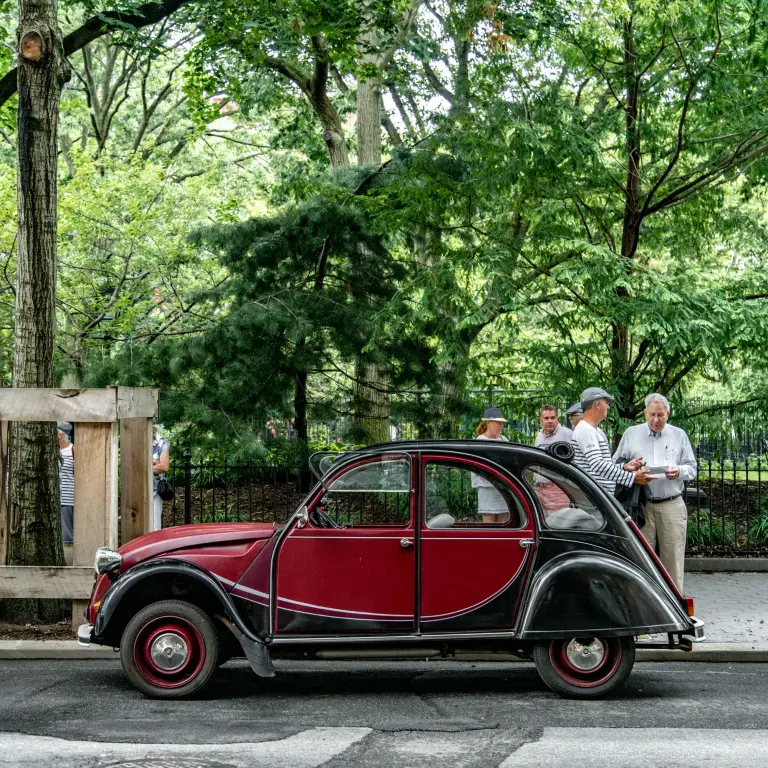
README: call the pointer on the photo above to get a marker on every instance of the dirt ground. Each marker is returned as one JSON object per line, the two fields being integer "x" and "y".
{"x": 60, "y": 631}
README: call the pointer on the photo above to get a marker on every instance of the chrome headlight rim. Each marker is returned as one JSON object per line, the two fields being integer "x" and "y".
{"x": 106, "y": 560}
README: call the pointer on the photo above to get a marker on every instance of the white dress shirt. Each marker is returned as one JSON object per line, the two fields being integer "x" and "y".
{"x": 668, "y": 448}
{"x": 560, "y": 435}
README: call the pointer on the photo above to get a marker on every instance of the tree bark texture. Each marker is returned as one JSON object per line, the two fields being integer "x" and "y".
{"x": 622, "y": 375}
{"x": 371, "y": 400}
{"x": 35, "y": 531}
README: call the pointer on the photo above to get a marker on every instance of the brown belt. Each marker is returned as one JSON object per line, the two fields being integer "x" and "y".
{"x": 668, "y": 498}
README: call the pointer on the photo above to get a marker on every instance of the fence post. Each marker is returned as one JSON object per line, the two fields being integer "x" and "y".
{"x": 187, "y": 486}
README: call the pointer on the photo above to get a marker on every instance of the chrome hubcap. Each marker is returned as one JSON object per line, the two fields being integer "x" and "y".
{"x": 585, "y": 657}
{"x": 169, "y": 651}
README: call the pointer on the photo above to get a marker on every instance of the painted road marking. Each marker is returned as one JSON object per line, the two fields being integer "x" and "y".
{"x": 307, "y": 749}
{"x": 633, "y": 747}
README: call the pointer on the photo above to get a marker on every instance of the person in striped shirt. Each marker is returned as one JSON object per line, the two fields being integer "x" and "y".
{"x": 592, "y": 453}
{"x": 66, "y": 487}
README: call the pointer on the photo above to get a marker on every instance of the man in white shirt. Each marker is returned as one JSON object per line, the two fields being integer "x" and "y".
{"x": 551, "y": 429}
{"x": 592, "y": 454}
{"x": 667, "y": 452}
{"x": 550, "y": 494}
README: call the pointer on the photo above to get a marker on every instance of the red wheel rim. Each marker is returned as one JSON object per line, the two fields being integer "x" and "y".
{"x": 169, "y": 651}
{"x": 596, "y": 675}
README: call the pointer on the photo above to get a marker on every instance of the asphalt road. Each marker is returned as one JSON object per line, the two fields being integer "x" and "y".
{"x": 67, "y": 714}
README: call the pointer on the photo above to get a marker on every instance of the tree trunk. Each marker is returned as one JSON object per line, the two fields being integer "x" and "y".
{"x": 35, "y": 532}
{"x": 300, "y": 425}
{"x": 333, "y": 132}
{"x": 371, "y": 401}
{"x": 623, "y": 376}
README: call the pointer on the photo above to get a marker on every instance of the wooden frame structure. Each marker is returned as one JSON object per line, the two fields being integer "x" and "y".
{"x": 103, "y": 417}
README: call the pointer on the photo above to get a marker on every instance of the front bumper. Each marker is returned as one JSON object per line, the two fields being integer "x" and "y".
{"x": 697, "y": 630}
{"x": 84, "y": 632}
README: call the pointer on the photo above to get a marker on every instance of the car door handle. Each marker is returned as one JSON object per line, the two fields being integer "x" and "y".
{"x": 525, "y": 543}
{"x": 405, "y": 543}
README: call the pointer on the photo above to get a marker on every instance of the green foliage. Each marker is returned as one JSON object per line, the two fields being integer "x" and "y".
{"x": 758, "y": 527}
{"x": 703, "y": 532}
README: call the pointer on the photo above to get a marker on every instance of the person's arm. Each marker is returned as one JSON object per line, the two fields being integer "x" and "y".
{"x": 160, "y": 466}
{"x": 598, "y": 464}
{"x": 688, "y": 468}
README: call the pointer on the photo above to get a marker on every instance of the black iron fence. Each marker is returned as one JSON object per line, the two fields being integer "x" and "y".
{"x": 727, "y": 503}
{"x": 213, "y": 491}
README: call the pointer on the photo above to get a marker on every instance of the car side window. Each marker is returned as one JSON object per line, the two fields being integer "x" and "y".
{"x": 457, "y": 495}
{"x": 565, "y": 504}
{"x": 372, "y": 494}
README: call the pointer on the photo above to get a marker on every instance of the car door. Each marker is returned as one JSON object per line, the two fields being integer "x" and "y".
{"x": 350, "y": 570}
{"x": 476, "y": 545}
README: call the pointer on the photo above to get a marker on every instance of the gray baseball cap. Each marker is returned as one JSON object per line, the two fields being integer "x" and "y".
{"x": 590, "y": 394}
{"x": 574, "y": 409}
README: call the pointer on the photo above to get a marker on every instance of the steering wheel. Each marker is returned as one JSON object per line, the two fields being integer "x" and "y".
{"x": 322, "y": 519}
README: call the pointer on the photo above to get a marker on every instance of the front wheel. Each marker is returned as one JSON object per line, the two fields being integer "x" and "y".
{"x": 585, "y": 667}
{"x": 170, "y": 650}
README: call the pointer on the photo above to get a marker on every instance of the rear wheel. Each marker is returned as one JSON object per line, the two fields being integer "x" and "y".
{"x": 585, "y": 667}
{"x": 170, "y": 650}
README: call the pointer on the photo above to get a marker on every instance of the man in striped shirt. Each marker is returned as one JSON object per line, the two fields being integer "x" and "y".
{"x": 592, "y": 454}
{"x": 66, "y": 487}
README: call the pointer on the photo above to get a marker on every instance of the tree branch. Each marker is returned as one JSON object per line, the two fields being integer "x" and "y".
{"x": 97, "y": 26}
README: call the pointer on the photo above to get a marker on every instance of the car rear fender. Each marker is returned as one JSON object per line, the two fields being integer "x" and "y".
{"x": 597, "y": 595}
{"x": 131, "y": 590}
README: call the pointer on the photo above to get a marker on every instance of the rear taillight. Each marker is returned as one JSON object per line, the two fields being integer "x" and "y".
{"x": 689, "y": 605}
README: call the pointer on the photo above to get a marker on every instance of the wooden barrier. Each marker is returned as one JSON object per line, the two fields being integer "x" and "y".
{"x": 100, "y": 415}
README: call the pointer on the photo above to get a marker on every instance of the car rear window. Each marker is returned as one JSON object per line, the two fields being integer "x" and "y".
{"x": 565, "y": 504}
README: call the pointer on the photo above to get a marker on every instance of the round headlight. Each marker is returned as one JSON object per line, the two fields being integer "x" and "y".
{"x": 106, "y": 560}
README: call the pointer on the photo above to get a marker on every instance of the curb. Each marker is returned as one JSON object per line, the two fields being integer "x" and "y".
{"x": 53, "y": 649}
{"x": 25, "y": 650}
{"x": 726, "y": 564}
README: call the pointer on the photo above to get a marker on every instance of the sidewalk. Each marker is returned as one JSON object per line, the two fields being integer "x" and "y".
{"x": 734, "y": 607}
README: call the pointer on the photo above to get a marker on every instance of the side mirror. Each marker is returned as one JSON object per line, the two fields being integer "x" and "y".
{"x": 303, "y": 517}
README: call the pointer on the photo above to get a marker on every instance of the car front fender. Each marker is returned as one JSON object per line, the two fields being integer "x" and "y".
{"x": 597, "y": 595}
{"x": 253, "y": 646}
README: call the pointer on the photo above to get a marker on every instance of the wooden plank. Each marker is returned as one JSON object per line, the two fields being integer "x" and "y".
{"x": 136, "y": 402}
{"x": 136, "y": 477}
{"x": 5, "y": 518}
{"x": 95, "y": 490}
{"x": 43, "y": 581}
{"x": 58, "y": 404}
{"x": 95, "y": 496}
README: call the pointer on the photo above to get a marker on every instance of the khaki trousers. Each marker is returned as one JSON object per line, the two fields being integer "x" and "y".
{"x": 667, "y": 523}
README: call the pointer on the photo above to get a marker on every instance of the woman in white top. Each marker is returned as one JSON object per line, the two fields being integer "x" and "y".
{"x": 490, "y": 503}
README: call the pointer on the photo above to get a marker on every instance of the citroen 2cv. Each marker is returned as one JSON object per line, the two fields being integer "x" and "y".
{"x": 390, "y": 557}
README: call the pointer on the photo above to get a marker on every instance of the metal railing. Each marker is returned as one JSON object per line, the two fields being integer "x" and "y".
{"x": 211, "y": 491}
{"x": 727, "y": 503}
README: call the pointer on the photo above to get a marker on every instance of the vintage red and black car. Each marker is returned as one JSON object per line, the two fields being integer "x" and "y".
{"x": 389, "y": 556}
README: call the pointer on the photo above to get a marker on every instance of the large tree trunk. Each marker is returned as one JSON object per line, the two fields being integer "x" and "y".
{"x": 622, "y": 374}
{"x": 371, "y": 400}
{"x": 35, "y": 532}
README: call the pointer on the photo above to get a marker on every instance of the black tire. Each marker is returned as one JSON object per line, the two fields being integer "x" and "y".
{"x": 178, "y": 635}
{"x": 607, "y": 664}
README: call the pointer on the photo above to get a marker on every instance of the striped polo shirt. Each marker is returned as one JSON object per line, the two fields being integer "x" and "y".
{"x": 66, "y": 476}
{"x": 593, "y": 457}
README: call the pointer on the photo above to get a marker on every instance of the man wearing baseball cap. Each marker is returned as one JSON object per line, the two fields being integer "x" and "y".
{"x": 592, "y": 453}
{"x": 574, "y": 414}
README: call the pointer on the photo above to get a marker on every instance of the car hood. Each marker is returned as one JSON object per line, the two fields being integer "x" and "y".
{"x": 189, "y": 536}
